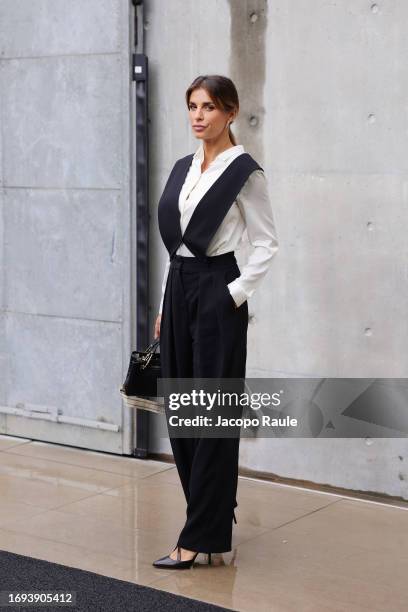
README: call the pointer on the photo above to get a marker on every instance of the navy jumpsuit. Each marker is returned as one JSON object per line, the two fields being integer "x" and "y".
{"x": 204, "y": 335}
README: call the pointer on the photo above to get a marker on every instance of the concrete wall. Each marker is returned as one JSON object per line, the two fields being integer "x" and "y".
{"x": 322, "y": 88}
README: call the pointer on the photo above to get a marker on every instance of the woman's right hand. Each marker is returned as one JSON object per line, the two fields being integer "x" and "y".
{"x": 157, "y": 327}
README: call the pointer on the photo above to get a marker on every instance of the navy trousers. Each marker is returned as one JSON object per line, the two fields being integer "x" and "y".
{"x": 203, "y": 334}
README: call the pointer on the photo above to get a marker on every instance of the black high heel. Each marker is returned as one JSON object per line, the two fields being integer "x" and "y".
{"x": 233, "y": 516}
{"x": 168, "y": 562}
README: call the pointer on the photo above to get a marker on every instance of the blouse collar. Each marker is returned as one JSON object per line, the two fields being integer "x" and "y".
{"x": 224, "y": 155}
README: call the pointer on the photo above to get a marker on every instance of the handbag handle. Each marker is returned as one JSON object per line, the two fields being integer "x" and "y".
{"x": 150, "y": 351}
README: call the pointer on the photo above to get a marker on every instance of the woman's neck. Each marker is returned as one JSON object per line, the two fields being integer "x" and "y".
{"x": 212, "y": 149}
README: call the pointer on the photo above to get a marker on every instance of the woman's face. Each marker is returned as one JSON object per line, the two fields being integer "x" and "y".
{"x": 203, "y": 112}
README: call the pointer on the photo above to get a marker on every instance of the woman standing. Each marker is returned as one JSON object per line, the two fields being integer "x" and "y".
{"x": 211, "y": 197}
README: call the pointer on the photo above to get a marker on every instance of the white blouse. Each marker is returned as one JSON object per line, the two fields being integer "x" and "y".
{"x": 251, "y": 211}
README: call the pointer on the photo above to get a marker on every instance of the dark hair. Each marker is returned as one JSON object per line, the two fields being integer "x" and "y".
{"x": 222, "y": 91}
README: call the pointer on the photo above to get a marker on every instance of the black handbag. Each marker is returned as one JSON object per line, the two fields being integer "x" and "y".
{"x": 140, "y": 387}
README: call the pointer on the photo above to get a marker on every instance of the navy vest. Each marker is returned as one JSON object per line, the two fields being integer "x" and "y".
{"x": 210, "y": 210}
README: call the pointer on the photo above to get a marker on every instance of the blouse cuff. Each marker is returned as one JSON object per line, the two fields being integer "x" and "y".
{"x": 238, "y": 294}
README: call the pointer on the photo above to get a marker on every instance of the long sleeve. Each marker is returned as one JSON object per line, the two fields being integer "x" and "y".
{"x": 166, "y": 272}
{"x": 255, "y": 206}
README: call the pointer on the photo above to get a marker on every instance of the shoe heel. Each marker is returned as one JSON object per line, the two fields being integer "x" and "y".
{"x": 233, "y": 516}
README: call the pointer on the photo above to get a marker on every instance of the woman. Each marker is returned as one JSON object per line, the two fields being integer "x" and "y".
{"x": 209, "y": 200}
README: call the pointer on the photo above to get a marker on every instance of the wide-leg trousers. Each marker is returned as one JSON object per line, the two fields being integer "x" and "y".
{"x": 204, "y": 335}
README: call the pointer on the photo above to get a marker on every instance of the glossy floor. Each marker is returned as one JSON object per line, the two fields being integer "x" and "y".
{"x": 293, "y": 549}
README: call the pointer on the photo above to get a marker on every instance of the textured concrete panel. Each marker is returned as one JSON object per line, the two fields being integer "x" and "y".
{"x": 64, "y": 330}
{"x": 373, "y": 465}
{"x": 335, "y": 303}
{"x": 62, "y": 121}
{"x": 248, "y": 65}
{"x": 337, "y": 83}
{"x": 64, "y": 253}
{"x": 3, "y": 352}
{"x": 70, "y": 365}
{"x": 4, "y": 360}
{"x": 66, "y": 434}
{"x": 50, "y": 27}
{"x": 2, "y": 247}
